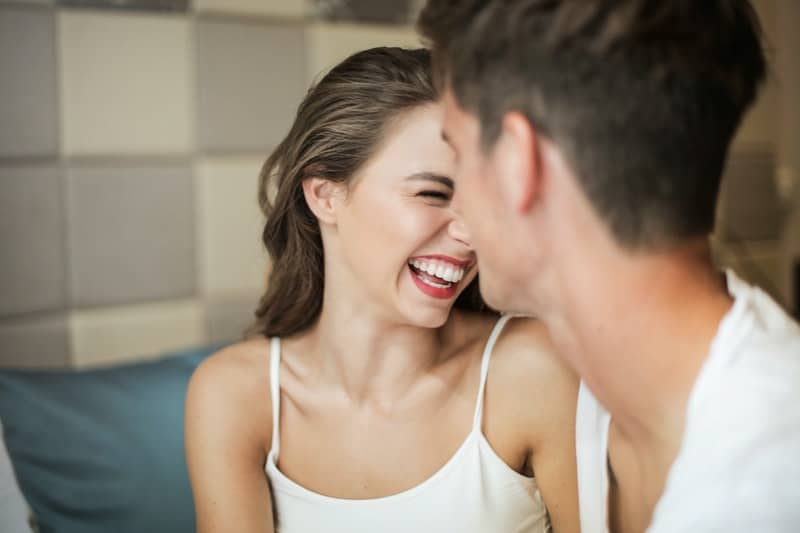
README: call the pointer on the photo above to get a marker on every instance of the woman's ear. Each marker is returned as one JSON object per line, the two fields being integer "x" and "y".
{"x": 323, "y": 197}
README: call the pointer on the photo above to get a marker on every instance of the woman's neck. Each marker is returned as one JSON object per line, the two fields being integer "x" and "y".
{"x": 372, "y": 359}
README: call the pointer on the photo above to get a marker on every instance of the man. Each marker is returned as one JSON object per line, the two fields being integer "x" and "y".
{"x": 590, "y": 137}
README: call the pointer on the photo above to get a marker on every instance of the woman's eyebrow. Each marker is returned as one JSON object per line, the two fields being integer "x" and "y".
{"x": 430, "y": 176}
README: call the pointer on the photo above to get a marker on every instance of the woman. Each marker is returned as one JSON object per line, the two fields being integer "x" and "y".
{"x": 366, "y": 401}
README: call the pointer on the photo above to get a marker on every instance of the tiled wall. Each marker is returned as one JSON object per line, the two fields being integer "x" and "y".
{"x": 130, "y": 144}
{"x": 759, "y": 212}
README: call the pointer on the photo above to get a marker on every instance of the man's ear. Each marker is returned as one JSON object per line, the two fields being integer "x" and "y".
{"x": 323, "y": 197}
{"x": 517, "y": 157}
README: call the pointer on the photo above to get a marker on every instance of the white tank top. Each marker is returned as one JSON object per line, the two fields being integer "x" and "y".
{"x": 591, "y": 445}
{"x": 475, "y": 491}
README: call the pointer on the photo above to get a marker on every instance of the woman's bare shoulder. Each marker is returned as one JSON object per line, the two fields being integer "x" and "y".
{"x": 243, "y": 364}
{"x": 528, "y": 369}
{"x": 233, "y": 383}
{"x": 525, "y": 346}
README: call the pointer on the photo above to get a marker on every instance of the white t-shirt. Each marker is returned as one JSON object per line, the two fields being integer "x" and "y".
{"x": 738, "y": 468}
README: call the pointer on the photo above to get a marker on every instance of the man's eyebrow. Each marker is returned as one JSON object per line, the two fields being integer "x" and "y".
{"x": 430, "y": 176}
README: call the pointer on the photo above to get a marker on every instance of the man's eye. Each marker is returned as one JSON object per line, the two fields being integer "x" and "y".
{"x": 438, "y": 195}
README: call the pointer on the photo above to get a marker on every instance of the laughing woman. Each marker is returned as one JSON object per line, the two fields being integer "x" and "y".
{"x": 378, "y": 394}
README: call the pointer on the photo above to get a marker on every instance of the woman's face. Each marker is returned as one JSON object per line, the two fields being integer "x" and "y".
{"x": 402, "y": 247}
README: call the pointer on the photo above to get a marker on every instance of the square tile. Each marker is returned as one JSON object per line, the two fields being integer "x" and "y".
{"x": 250, "y": 79}
{"x": 374, "y": 11}
{"x": 148, "y": 5}
{"x": 228, "y": 317}
{"x": 328, "y": 44}
{"x": 760, "y": 124}
{"x": 229, "y": 225}
{"x": 32, "y": 270}
{"x": 131, "y": 233}
{"x": 28, "y": 94}
{"x": 757, "y": 262}
{"x": 35, "y": 341}
{"x": 750, "y": 207}
{"x": 32, "y": 2}
{"x": 126, "y": 83}
{"x": 278, "y": 8}
{"x": 133, "y": 333}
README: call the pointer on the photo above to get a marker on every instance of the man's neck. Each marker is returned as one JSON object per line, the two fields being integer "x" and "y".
{"x": 638, "y": 329}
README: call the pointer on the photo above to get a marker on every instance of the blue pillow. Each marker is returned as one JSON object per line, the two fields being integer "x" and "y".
{"x": 102, "y": 450}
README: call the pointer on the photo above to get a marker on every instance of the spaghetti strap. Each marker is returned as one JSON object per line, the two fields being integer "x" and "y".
{"x": 487, "y": 352}
{"x": 275, "y": 393}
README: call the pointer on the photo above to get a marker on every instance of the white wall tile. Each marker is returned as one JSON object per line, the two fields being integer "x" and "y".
{"x": 229, "y": 225}
{"x": 279, "y": 8}
{"x": 330, "y": 43}
{"x": 125, "y": 83}
{"x": 140, "y": 332}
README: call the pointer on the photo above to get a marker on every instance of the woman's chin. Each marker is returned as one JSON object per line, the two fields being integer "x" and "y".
{"x": 433, "y": 318}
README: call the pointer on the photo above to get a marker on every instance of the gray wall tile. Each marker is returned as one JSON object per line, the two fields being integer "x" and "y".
{"x": 749, "y": 203}
{"x": 35, "y": 342}
{"x": 28, "y": 97}
{"x": 131, "y": 233}
{"x": 228, "y": 317}
{"x": 149, "y": 5}
{"x": 34, "y": 2}
{"x": 378, "y": 11}
{"x": 250, "y": 78}
{"x": 32, "y": 268}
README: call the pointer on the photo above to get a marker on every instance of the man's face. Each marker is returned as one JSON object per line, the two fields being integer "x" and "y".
{"x": 487, "y": 208}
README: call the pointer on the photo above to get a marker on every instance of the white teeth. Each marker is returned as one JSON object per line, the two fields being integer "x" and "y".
{"x": 441, "y": 269}
{"x": 448, "y": 275}
{"x": 434, "y": 284}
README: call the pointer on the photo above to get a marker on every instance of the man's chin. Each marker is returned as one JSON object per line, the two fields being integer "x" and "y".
{"x": 494, "y": 294}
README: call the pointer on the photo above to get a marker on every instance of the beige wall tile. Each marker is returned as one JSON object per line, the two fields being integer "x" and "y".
{"x": 128, "y": 333}
{"x": 125, "y": 83}
{"x": 229, "y": 225}
{"x": 330, "y": 43}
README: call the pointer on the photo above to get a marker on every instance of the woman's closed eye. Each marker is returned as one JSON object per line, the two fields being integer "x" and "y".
{"x": 435, "y": 195}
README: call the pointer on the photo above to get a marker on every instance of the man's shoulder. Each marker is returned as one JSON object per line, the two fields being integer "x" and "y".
{"x": 748, "y": 396}
{"x": 739, "y": 464}
{"x": 754, "y": 363}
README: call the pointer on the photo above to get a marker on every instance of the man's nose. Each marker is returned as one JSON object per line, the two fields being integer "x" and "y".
{"x": 458, "y": 230}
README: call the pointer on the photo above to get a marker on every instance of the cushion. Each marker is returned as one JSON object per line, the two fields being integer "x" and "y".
{"x": 102, "y": 450}
{"x": 15, "y": 515}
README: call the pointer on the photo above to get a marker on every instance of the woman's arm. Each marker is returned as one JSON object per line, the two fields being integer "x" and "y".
{"x": 227, "y": 430}
{"x": 540, "y": 398}
{"x": 553, "y": 446}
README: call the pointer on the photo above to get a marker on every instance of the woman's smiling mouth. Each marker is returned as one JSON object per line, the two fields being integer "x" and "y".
{"x": 437, "y": 276}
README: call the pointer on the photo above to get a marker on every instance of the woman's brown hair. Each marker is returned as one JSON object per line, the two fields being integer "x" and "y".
{"x": 338, "y": 127}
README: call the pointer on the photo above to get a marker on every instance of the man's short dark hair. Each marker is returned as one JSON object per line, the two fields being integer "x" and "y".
{"x": 643, "y": 97}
